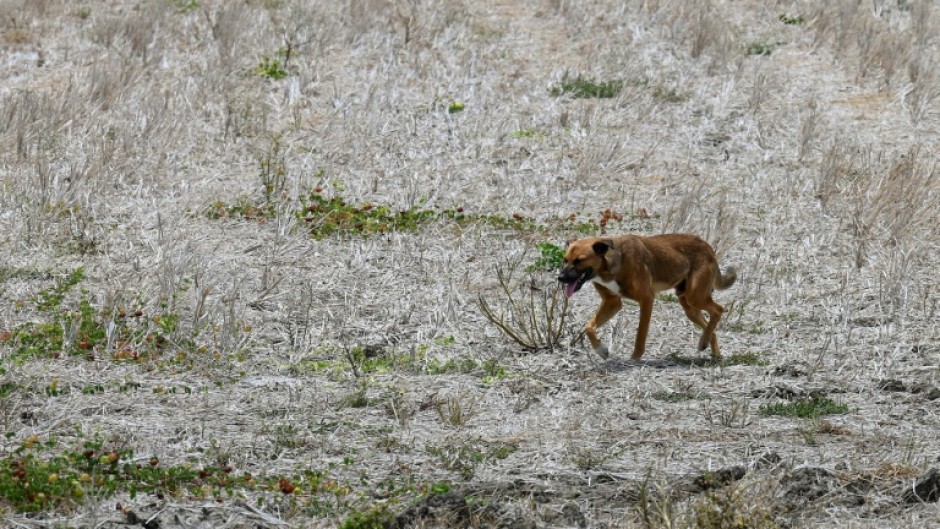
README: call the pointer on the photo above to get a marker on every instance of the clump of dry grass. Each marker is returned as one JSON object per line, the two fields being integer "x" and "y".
{"x": 529, "y": 312}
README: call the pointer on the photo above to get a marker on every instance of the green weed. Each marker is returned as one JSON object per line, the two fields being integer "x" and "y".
{"x": 583, "y": 87}
{"x": 88, "y": 331}
{"x": 811, "y": 408}
{"x": 34, "y": 478}
{"x": 668, "y": 95}
{"x": 760, "y": 48}
{"x": 243, "y": 208}
{"x": 371, "y": 518}
{"x": 552, "y": 257}
{"x": 673, "y": 396}
{"x": 525, "y": 133}
{"x": 271, "y": 68}
{"x": 465, "y": 458}
{"x": 739, "y": 359}
{"x": 789, "y": 20}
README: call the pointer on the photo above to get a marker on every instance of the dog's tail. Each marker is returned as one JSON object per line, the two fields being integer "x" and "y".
{"x": 725, "y": 279}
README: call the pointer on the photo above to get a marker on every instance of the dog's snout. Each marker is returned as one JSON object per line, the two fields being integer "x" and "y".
{"x": 568, "y": 274}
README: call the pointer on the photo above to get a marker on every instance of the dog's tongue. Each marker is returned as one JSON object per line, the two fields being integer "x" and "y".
{"x": 570, "y": 288}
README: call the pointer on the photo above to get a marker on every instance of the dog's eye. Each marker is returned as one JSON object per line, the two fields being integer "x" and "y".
{"x": 577, "y": 261}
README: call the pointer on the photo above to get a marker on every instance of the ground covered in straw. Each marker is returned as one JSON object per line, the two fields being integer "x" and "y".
{"x": 245, "y": 249}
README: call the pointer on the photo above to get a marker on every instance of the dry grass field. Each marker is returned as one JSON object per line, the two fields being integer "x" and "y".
{"x": 253, "y": 255}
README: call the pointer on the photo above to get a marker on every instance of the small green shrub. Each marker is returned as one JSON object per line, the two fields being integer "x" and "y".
{"x": 673, "y": 396}
{"x": 811, "y": 408}
{"x": 760, "y": 48}
{"x": 739, "y": 359}
{"x": 552, "y": 257}
{"x": 525, "y": 133}
{"x": 271, "y": 68}
{"x": 583, "y": 87}
{"x": 372, "y": 518}
{"x": 84, "y": 330}
{"x": 789, "y": 20}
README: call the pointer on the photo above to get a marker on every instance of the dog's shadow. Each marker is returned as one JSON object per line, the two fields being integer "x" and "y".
{"x": 621, "y": 364}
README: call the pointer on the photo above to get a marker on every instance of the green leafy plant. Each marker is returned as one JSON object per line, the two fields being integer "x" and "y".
{"x": 673, "y": 396}
{"x": 810, "y": 408}
{"x": 583, "y": 87}
{"x": 738, "y": 359}
{"x": 525, "y": 133}
{"x": 760, "y": 48}
{"x": 271, "y": 68}
{"x": 552, "y": 257}
{"x": 790, "y": 20}
{"x": 371, "y": 518}
{"x": 89, "y": 331}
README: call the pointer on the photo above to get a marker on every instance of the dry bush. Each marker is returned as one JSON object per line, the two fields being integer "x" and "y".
{"x": 530, "y": 311}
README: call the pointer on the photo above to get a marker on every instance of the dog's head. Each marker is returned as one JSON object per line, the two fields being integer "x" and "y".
{"x": 584, "y": 259}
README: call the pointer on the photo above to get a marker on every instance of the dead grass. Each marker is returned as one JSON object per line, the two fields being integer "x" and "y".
{"x": 354, "y": 377}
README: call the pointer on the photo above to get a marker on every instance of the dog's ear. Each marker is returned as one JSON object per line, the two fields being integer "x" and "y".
{"x": 601, "y": 246}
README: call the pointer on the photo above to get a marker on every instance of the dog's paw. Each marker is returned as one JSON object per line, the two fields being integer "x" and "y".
{"x": 602, "y": 351}
{"x": 703, "y": 343}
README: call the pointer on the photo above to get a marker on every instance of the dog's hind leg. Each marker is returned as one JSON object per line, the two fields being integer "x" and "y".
{"x": 610, "y": 306}
{"x": 696, "y": 317}
{"x": 698, "y": 297}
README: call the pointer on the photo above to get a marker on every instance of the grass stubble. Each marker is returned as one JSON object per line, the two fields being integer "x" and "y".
{"x": 349, "y": 374}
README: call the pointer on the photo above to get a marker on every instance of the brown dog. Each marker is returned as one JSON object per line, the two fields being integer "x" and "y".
{"x": 637, "y": 268}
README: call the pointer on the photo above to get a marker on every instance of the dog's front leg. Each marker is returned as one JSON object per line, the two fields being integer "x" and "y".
{"x": 646, "y": 314}
{"x": 610, "y": 306}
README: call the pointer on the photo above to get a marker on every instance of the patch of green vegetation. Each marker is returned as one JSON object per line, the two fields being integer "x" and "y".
{"x": 790, "y": 20}
{"x": 371, "y": 518}
{"x": 324, "y": 216}
{"x": 552, "y": 257}
{"x": 749, "y": 358}
{"x": 667, "y": 297}
{"x": 358, "y": 398}
{"x": 87, "y": 331}
{"x": 526, "y": 133}
{"x": 37, "y": 477}
{"x": 8, "y": 273}
{"x": 186, "y": 5}
{"x": 455, "y": 107}
{"x": 583, "y": 87}
{"x": 243, "y": 208}
{"x": 739, "y": 359}
{"x": 465, "y": 458}
{"x": 760, "y": 48}
{"x": 733, "y": 507}
{"x": 673, "y": 396}
{"x": 489, "y": 370}
{"x": 668, "y": 95}
{"x": 272, "y": 68}
{"x": 811, "y": 408}
{"x": 41, "y": 476}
